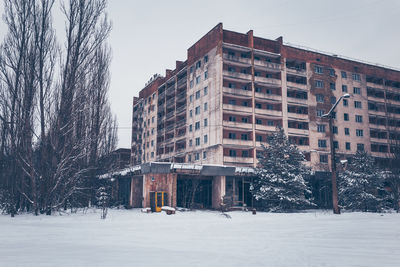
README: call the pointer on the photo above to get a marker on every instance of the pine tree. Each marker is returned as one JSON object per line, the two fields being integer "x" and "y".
{"x": 280, "y": 184}
{"x": 361, "y": 185}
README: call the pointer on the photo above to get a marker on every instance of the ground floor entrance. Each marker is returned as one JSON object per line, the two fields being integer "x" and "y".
{"x": 194, "y": 192}
{"x": 238, "y": 189}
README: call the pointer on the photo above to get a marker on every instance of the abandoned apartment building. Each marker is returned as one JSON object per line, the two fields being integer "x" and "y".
{"x": 202, "y": 124}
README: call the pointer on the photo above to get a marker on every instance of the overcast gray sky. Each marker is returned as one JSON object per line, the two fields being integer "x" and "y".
{"x": 148, "y": 36}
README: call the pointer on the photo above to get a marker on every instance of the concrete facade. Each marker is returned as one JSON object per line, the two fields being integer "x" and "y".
{"x": 219, "y": 105}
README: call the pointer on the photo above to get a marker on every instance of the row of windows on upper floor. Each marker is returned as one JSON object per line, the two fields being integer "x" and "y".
{"x": 197, "y": 125}
{"x": 320, "y": 70}
{"x": 196, "y": 156}
{"x": 197, "y": 65}
{"x": 322, "y": 143}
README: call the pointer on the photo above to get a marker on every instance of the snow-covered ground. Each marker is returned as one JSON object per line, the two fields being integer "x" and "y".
{"x": 200, "y": 238}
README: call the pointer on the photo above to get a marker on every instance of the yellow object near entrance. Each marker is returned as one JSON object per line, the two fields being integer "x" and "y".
{"x": 158, "y": 200}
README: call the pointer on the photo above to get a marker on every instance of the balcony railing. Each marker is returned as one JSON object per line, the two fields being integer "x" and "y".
{"x": 238, "y": 160}
{"x": 237, "y": 108}
{"x": 238, "y": 142}
{"x": 235, "y": 91}
{"x": 170, "y": 114}
{"x": 268, "y": 96}
{"x": 268, "y": 65}
{"x": 180, "y": 109}
{"x": 239, "y": 75}
{"x": 236, "y": 59}
{"x": 271, "y": 81}
{"x": 296, "y": 71}
{"x": 268, "y": 112}
{"x": 241, "y": 125}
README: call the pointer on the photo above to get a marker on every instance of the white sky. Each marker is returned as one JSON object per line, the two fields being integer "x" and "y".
{"x": 149, "y": 36}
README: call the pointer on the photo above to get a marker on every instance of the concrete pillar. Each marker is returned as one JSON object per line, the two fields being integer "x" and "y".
{"x": 218, "y": 191}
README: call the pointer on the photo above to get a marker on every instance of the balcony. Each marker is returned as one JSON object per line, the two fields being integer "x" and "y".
{"x": 298, "y": 131}
{"x": 181, "y": 82}
{"x": 234, "y": 59}
{"x": 268, "y": 112}
{"x": 238, "y": 160}
{"x": 298, "y": 116}
{"x": 238, "y": 125}
{"x": 180, "y": 123}
{"x": 181, "y": 109}
{"x": 238, "y": 75}
{"x": 262, "y": 127}
{"x": 377, "y": 112}
{"x": 294, "y": 100}
{"x": 181, "y": 96}
{"x": 297, "y": 85}
{"x": 237, "y": 108}
{"x": 301, "y": 72}
{"x": 269, "y": 81}
{"x": 161, "y": 95}
{"x": 268, "y": 96}
{"x": 170, "y": 101}
{"x": 170, "y": 114}
{"x": 234, "y": 91}
{"x": 238, "y": 142}
{"x": 268, "y": 65}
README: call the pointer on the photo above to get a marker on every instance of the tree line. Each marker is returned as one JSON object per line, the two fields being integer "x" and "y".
{"x": 55, "y": 118}
{"x": 283, "y": 180}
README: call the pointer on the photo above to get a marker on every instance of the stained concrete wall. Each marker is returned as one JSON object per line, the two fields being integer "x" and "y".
{"x": 159, "y": 182}
{"x": 218, "y": 191}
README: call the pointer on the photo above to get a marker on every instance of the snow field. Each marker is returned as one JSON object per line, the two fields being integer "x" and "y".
{"x": 201, "y": 238}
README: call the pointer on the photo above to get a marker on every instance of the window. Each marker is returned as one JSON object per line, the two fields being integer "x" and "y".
{"x": 232, "y": 153}
{"x": 198, "y": 64}
{"x": 205, "y": 106}
{"x": 205, "y": 139}
{"x": 335, "y": 144}
{"x": 333, "y": 100}
{"x": 345, "y": 103}
{"x": 258, "y": 105}
{"x": 190, "y": 142}
{"x": 356, "y": 77}
{"x": 344, "y": 74}
{"x": 232, "y": 136}
{"x": 321, "y": 143}
{"x": 197, "y": 141}
{"x": 190, "y": 128}
{"x": 259, "y": 138}
{"x": 360, "y": 147}
{"x": 323, "y": 158}
{"x": 320, "y": 112}
{"x": 359, "y": 118}
{"x": 231, "y": 85}
{"x": 319, "y": 84}
{"x": 357, "y": 90}
{"x": 321, "y": 128}
{"x": 197, "y": 125}
{"x": 320, "y": 98}
{"x": 190, "y": 158}
{"x": 204, "y": 154}
{"x": 205, "y": 59}
{"x": 348, "y": 146}
{"x": 205, "y": 122}
{"x": 245, "y": 104}
{"x": 196, "y": 156}
{"x": 258, "y": 121}
{"x": 152, "y": 119}
{"x": 346, "y": 131}
{"x": 359, "y": 132}
{"x": 152, "y": 142}
{"x": 245, "y": 120}
{"x": 270, "y": 107}
{"x": 206, "y": 75}
{"x": 152, "y": 131}
{"x": 357, "y": 104}
{"x": 232, "y": 118}
{"x": 191, "y": 83}
{"x": 333, "y": 114}
{"x": 245, "y": 153}
{"x": 346, "y": 116}
{"x": 332, "y": 86}
{"x": 191, "y": 113}
{"x": 191, "y": 98}
{"x": 198, "y": 94}
{"x": 191, "y": 69}
{"x": 319, "y": 69}
{"x": 244, "y": 137}
{"x": 332, "y": 72}
{"x": 270, "y": 123}
{"x": 232, "y": 102}
{"x": 197, "y": 110}
{"x": 258, "y": 90}
{"x": 335, "y": 129}
{"x": 344, "y": 88}
{"x": 205, "y": 90}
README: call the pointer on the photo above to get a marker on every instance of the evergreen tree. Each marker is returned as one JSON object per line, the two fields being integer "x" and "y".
{"x": 361, "y": 185}
{"x": 102, "y": 200}
{"x": 280, "y": 184}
